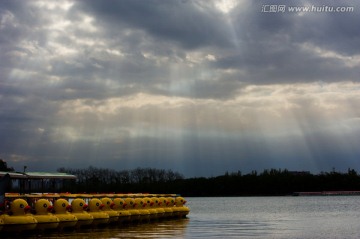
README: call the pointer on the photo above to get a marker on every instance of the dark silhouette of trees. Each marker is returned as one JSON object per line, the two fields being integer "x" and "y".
{"x": 150, "y": 180}
{"x": 267, "y": 183}
{"x": 137, "y": 180}
{"x": 272, "y": 182}
{"x": 4, "y": 167}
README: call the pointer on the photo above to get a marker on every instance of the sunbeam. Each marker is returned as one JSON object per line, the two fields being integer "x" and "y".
{"x": 200, "y": 87}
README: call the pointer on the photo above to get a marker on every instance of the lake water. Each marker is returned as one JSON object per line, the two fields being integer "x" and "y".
{"x": 247, "y": 217}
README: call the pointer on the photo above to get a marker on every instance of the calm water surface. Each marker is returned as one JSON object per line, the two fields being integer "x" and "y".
{"x": 247, "y": 217}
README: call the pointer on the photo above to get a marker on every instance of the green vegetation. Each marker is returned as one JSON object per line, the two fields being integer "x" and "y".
{"x": 269, "y": 182}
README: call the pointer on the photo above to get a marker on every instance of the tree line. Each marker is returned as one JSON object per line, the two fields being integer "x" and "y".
{"x": 150, "y": 180}
{"x": 267, "y": 183}
{"x": 94, "y": 179}
{"x": 273, "y": 182}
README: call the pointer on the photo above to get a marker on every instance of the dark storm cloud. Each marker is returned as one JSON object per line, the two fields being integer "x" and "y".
{"x": 270, "y": 48}
{"x": 333, "y": 31}
{"x": 19, "y": 19}
{"x": 289, "y": 64}
{"x": 284, "y": 47}
{"x": 189, "y": 23}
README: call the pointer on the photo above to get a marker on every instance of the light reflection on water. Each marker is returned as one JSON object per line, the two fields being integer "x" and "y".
{"x": 275, "y": 217}
{"x": 161, "y": 229}
{"x": 246, "y": 217}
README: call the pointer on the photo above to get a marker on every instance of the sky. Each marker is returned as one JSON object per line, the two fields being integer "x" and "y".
{"x": 198, "y": 87}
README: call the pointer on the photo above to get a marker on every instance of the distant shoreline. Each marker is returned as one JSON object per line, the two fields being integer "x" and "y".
{"x": 328, "y": 193}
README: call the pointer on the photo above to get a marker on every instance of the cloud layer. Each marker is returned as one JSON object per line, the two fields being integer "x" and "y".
{"x": 201, "y": 87}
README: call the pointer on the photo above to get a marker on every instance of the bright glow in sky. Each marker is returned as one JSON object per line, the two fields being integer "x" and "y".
{"x": 199, "y": 87}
